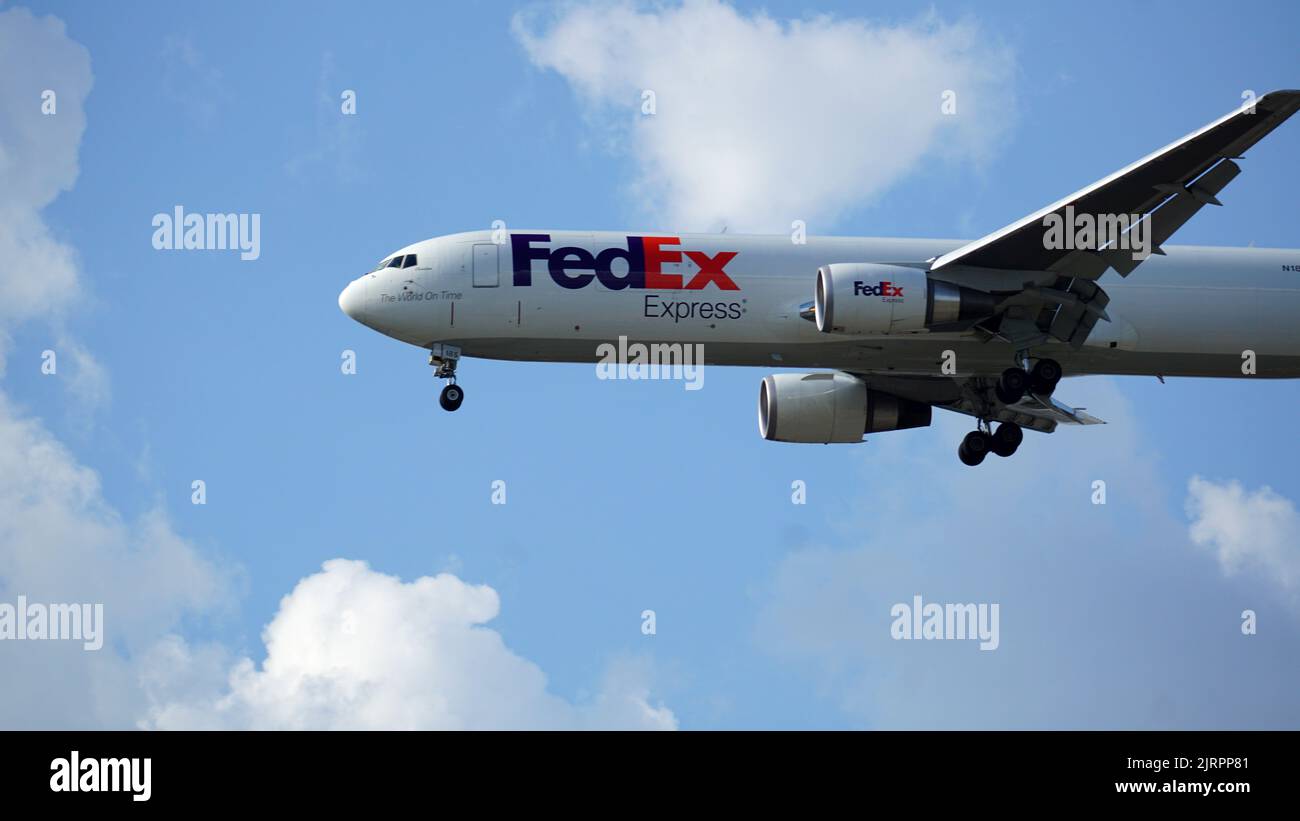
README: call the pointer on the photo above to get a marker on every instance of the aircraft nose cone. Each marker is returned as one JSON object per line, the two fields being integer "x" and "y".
{"x": 352, "y": 300}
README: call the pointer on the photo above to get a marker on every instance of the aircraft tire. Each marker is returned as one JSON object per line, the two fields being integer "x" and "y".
{"x": 451, "y": 397}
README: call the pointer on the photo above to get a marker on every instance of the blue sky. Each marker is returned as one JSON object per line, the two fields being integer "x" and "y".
{"x": 626, "y": 496}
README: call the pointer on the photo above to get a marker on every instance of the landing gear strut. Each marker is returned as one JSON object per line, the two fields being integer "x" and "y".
{"x": 444, "y": 358}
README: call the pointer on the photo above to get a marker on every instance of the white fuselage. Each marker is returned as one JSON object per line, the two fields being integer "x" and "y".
{"x": 1193, "y": 312}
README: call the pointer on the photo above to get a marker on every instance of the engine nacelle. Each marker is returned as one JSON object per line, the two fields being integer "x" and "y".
{"x": 831, "y": 407}
{"x": 867, "y": 298}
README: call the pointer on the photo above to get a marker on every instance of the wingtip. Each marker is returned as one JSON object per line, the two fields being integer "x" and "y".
{"x": 1281, "y": 97}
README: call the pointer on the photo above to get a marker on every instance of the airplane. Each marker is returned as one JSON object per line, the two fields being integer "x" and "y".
{"x": 985, "y": 328}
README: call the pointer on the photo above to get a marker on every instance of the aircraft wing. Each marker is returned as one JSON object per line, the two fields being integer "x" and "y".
{"x": 1168, "y": 187}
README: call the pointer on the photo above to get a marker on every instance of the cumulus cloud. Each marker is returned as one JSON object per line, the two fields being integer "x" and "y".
{"x": 60, "y": 537}
{"x": 39, "y": 272}
{"x": 39, "y": 150}
{"x": 352, "y": 648}
{"x": 349, "y": 647}
{"x": 1249, "y": 532}
{"x": 758, "y": 121}
{"x": 62, "y": 542}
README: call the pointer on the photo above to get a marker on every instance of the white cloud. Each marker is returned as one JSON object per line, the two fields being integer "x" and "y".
{"x": 61, "y": 538}
{"x": 1249, "y": 532}
{"x": 39, "y": 273}
{"x": 349, "y": 647}
{"x": 87, "y": 382}
{"x": 352, "y": 648}
{"x": 61, "y": 541}
{"x": 417, "y": 655}
{"x": 38, "y": 152}
{"x": 760, "y": 122}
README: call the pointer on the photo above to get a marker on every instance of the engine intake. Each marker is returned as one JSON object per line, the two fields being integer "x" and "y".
{"x": 867, "y": 298}
{"x": 831, "y": 407}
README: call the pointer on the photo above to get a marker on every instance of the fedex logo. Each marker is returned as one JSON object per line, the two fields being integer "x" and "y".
{"x": 861, "y": 288}
{"x": 574, "y": 267}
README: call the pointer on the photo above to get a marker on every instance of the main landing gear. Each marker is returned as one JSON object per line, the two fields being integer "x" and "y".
{"x": 444, "y": 358}
{"x": 1014, "y": 383}
{"x": 980, "y": 443}
{"x": 1010, "y": 388}
{"x": 1044, "y": 376}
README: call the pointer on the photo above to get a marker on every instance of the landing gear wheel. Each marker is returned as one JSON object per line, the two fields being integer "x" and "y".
{"x": 1044, "y": 376}
{"x": 974, "y": 447}
{"x": 451, "y": 397}
{"x": 1006, "y": 439}
{"x": 1012, "y": 385}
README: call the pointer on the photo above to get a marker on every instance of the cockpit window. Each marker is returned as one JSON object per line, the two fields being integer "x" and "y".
{"x": 410, "y": 261}
{"x": 396, "y": 262}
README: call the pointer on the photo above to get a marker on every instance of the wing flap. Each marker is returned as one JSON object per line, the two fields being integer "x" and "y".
{"x": 962, "y": 395}
{"x": 1033, "y": 412}
{"x": 1182, "y": 205}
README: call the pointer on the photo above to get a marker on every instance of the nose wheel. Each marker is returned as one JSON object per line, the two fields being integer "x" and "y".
{"x": 444, "y": 359}
{"x": 451, "y": 397}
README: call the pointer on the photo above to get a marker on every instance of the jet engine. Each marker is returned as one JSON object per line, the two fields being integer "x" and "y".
{"x": 867, "y": 298}
{"x": 831, "y": 407}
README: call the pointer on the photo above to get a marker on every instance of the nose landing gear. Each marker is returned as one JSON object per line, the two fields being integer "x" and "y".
{"x": 444, "y": 358}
